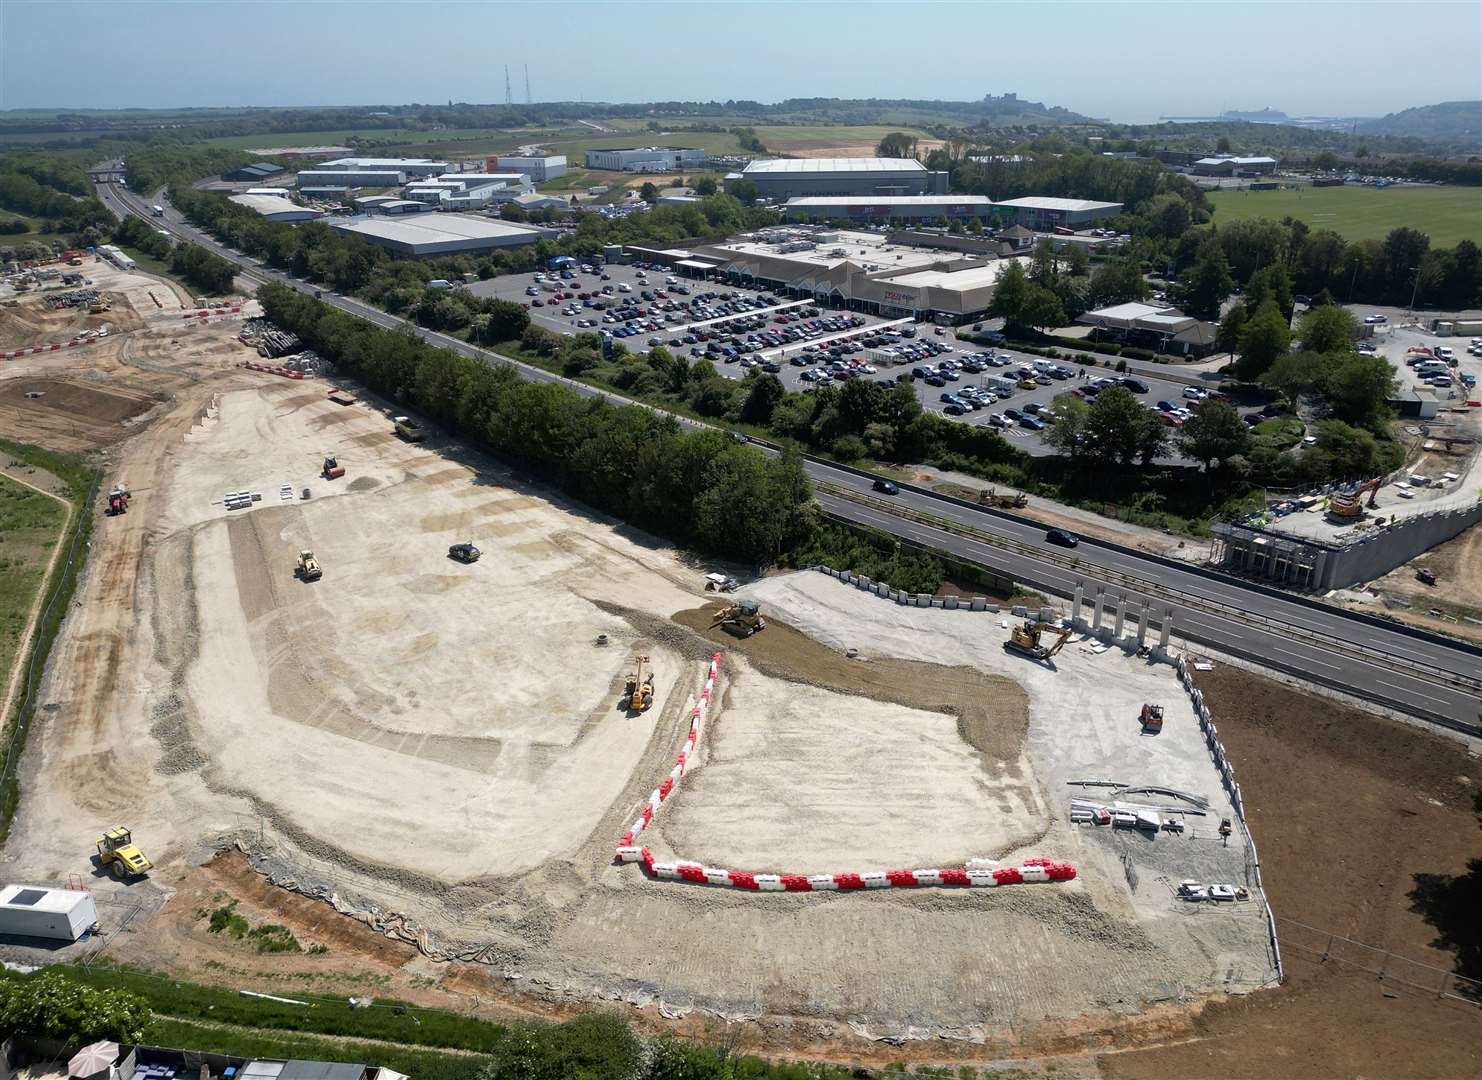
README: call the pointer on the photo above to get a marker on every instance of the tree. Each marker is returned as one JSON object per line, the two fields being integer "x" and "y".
{"x": 1214, "y": 433}
{"x": 1223, "y": 146}
{"x": 897, "y": 144}
{"x": 1293, "y": 375}
{"x": 507, "y": 320}
{"x": 745, "y": 190}
{"x": 1067, "y": 432}
{"x": 1041, "y": 309}
{"x": 1266, "y": 337}
{"x": 1209, "y": 281}
{"x": 1009, "y": 292}
{"x": 764, "y": 392}
{"x": 511, "y": 211}
{"x": 706, "y": 186}
{"x": 1230, "y": 329}
{"x": 1120, "y": 429}
{"x": 1272, "y": 283}
{"x": 1328, "y": 329}
{"x": 1077, "y": 262}
{"x": 649, "y": 193}
{"x": 1116, "y": 283}
{"x": 1449, "y": 903}
{"x": 1357, "y": 388}
{"x": 49, "y": 1006}
{"x": 1044, "y": 267}
{"x": 1327, "y": 161}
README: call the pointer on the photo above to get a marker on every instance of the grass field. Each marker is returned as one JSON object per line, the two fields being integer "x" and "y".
{"x": 1445, "y": 214}
{"x": 30, "y": 523}
{"x": 40, "y": 230}
{"x": 792, "y": 140}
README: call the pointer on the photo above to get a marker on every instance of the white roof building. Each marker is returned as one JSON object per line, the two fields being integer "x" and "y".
{"x": 275, "y": 208}
{"x": 38, "y": 911}
{"x": 442, "y": 234}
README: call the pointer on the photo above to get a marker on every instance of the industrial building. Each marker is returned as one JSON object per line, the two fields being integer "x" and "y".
{"x": 389, "y": 204}
{"x": 271, "y": 192}
{"x": 350, "y": 178}
{"x": 254, "y": 173}
{"x": 275, "y": 209}
{"x": 468, "y": 191}
{"x": 861, "y": 271}
{"x": 539, "y": 169}
{"x": 534, "y": 200}
{"x": 40, "y": 912}
{"x": 1225, "y": 165}
{"x": 1045, "y": 214}
{"x": 913, "y": 209}
{"x": 409, "y": 166}
{"x": 780, "y": 179}
{"x": 427, "y": 235}
{"x": 646, "y": 158}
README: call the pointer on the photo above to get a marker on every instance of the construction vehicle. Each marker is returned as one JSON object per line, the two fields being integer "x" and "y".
{"x": 464, "y": 552}
{"x": 407, "y": 428}
{"x": 742, "y": 619}
{"x": 639, "y": 689}
{"x": 721, "y": 583}
{"x": 1349, "y": 505}
{"x": 118, "y": 501}
{"x": 308, "y": 567}
{"x": 1026, "y": 639}
{"x": 1152, "y": 719}
{"x": 1426, "y": 577}
{"x": 117, "y": 850}
{"x": 1003, "y": 502}
{"x": 100, "y": 306}
{"x": 333, "y": 470}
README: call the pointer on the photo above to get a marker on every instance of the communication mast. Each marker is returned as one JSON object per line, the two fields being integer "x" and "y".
{"x": 527, "y": 85}
{"x": 508, "y": 100}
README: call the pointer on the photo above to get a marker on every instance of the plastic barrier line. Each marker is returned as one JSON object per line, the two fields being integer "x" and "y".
{"x": 629, "y": 851}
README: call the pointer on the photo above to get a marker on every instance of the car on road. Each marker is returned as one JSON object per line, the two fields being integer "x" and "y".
{"x": 1062, "y": 538}
{"x": 1375, "y": 320}
{"x": 885, "y": 487}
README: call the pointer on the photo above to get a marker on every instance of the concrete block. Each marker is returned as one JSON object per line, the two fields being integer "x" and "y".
{"x": 950, "y": 603}
{"x": 1020, "y": 612}
{"x": 979, "y": 604}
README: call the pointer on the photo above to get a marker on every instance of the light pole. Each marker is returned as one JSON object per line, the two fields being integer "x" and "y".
{"x": 1410, "y": 311}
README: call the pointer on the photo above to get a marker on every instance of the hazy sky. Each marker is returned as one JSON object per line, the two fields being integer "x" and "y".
{"x": 1126, "y": 61}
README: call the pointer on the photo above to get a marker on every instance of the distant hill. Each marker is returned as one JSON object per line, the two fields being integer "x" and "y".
{"x": 1450, "y": 122}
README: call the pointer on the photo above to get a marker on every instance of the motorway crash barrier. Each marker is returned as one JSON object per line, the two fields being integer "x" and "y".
{"x": 628, "y": 851}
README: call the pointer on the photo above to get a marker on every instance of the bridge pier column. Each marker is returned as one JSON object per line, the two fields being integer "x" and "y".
{"x": 1121, "y": 616}
{"x": 1142, "y": 624}
{"x": 1100, "y": 599}
{"x": 1075, "y": 604}
{"x": 1166, "y": 628}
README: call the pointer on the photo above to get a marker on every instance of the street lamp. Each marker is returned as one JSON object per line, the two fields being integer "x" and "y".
{"x": 1410, "y": 312}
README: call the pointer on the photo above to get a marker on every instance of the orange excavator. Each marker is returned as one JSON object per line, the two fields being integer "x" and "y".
{"x": 1349, "y": 505}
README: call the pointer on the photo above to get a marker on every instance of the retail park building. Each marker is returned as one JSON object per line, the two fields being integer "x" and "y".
{"x": 780, "y": 179}
{"x": 860, "y": 271}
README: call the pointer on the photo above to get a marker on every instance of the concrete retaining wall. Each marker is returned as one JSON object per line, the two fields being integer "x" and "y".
{"x": 1381, "y": 550}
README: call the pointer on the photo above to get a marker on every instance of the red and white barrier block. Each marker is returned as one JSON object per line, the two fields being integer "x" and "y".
{"x": 287, "y": 373}
{"x": 1032, "y": 870}
{"x": 628, "y": 851}
{"x": 692, "y": 740}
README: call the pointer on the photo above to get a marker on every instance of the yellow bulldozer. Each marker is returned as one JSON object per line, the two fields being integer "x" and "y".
{"x": 308, "y": 567}
{"x": 1027, "y": 638}
{"x": 640, "y": 689}
{"x": 741, "y": 618}
{"x": 100, "y": 306}
{"x": 117, "y": 850}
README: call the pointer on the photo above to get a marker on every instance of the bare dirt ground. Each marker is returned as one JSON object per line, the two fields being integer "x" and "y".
{"x": 1346, "y": 808}
{"x": 29, "y": 321}
{"x": 1456, "y": 598}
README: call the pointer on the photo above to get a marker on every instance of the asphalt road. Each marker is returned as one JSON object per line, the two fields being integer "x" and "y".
{"x": 1428, "y": 678}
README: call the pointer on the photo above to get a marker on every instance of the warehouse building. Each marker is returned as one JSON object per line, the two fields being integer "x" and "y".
{"x": 860, "y": 271}
{"x": 539, "y": 169}
{"x": 646, "y": 158}
{"x": 1224, "y": 165}
{"x": 426, "y": 235}
{"x": 276, "y": 209}
{"x": 468, "y": 191}
{"x": 1045, "y": 214}
{"x": 39, "y": 912}
{"x": 271, "y": 192}
{"x": 780, "y": 179}
{"x": 534, "y": 200}
{"x": 409, "y": 166}
{"x": 912, "y": 209}
{"x": 254, "y": 173}
{"x": 348, "y": 178}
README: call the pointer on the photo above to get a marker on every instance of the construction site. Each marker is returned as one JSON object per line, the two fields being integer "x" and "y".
{"x": 520, "y": 756}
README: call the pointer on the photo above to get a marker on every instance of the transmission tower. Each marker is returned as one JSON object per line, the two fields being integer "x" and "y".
{"x": 527, "y": 84}
{"x": 508, "y": 99}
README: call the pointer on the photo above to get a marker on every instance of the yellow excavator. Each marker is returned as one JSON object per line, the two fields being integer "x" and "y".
{"x": 308, "y": 567}
{"x": 640, "y": 690}
{"x": 116, "y": 849}
{"x": 1027, "y": 639}
{"x": 1348, "y": 506}
{"x": 742, "y": 618}
{"x": 1003, "y": 502}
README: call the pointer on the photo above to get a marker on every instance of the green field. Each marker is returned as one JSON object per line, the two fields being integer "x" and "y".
{"x": 1445, "y": 214}
{"x": 858, "y": 140}
{"x": 29, "y": 526}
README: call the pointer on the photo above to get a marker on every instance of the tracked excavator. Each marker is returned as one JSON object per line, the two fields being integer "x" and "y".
{"x": 1346, "y": 506}
{"x": 1028, "y": 639}
{"x": 742, "y": 618}
{"x": 640, "y": 689}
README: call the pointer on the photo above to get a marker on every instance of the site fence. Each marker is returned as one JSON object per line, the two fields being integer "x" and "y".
{"x": 1232, "y": 788}
{"x": 1324, "y": 946}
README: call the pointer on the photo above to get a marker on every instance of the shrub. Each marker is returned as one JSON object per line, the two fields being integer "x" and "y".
{"x": 1140, "y": 354}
